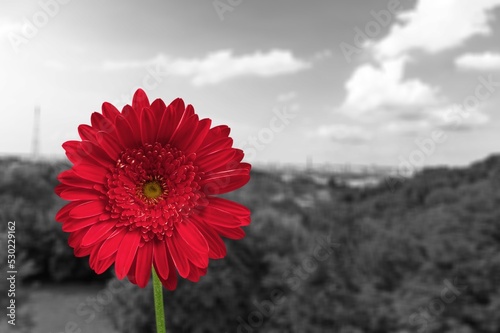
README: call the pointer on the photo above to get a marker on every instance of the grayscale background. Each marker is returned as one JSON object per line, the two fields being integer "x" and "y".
{"x": 372, "y": 128}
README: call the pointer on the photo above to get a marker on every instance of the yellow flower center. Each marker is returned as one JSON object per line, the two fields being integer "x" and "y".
{"x": 152, "y": 189}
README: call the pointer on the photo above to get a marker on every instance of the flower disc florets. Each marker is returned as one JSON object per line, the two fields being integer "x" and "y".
{"x": 152, "y": 189}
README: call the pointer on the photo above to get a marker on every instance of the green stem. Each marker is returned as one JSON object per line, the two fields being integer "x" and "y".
{"x": 158, "y": 299}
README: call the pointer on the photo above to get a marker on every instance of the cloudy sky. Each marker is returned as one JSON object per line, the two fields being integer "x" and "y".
{"x": 363, "y": 82}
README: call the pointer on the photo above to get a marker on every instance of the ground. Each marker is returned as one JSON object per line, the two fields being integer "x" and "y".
{"x": 55, "y": 309}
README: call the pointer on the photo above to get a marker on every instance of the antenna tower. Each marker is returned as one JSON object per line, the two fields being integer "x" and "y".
{"x": 36, "y": 134}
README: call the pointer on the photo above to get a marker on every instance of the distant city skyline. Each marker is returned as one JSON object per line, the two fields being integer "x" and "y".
{"x": 382, "y": 82}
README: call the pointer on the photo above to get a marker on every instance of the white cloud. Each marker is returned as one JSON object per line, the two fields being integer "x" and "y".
{"x": 56, "y": 65}
{"x": 448, "y": 117}
{"x": 398, "y": 127}
{"x": 344, "y": 133}
{"x": 434, "y": 26}
{"x": 131, "y": 64}
{"x": 7, "y": 27}
{"x": 457, "y": 118}
{"x": 383, "y": 97}
{"x": 222, "y": 65}
{"x": 479, "y": 61}
{"x": 381, "y": 89}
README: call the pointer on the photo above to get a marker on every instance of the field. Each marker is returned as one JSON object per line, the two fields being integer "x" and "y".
{"x": 52, "y": 308}
{"x": 420, "y": 255}
{"x": 55, "y": 309}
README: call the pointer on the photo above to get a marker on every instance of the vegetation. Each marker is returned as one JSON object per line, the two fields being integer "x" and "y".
{"x": 420, "y": 255}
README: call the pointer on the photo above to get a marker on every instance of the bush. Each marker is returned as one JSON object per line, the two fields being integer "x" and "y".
{"x": 27, "y": 197}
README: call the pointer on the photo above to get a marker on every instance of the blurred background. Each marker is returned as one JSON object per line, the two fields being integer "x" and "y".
{"x": 372, "y": 127}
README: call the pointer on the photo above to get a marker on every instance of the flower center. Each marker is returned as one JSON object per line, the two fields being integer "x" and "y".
{"x": 152, "y": 188}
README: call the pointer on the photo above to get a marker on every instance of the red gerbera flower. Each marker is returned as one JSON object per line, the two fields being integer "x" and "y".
{"x": 142, "y": 191}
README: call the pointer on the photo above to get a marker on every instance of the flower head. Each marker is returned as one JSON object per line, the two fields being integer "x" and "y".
{"x": 143, "y": 191}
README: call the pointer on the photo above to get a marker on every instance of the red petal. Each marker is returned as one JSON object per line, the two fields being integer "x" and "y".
{"x": 189, "y": 111}
{"x": 216, "y": 145}
{"x": 75, "y": 238}
{"x": 185, "y": 132}
{"x": 229, "y": 206}
{"x": 102, "y": 265}
{"x": 182, "y": 117}
{"x": 69, "y": 177}
{"x": 192, "y": 236}
{"x": 140, "y": 100}
{"x": 75, "y": 193}
{"x": 126, "y": 253}
{"x": 233, "y": 163}
{"x": 97, "y": 232}
{"x": 74, "y": 152}
{"x": 160, "y": 259}
{"x": 215, "y": 133}
{"x": 149, "y": 127}
{"x": 197, "y": 258}
{"x": 97, "y": 154}
{"x": 170, "y": 120}
{"x": 111, "y": 244}
{"x": 225, "y": 130}
{"x": 131, "y": 272}
{"x": 93, "y": 255}
{"x": 133, "y": 117}
{"x": 143, "y": 264}
{"x": 71, "y": 145}
{"x": 88, "y": 209}
{"x": 217, "y": 159}
{"x": 80, "y": 251}
{"x": 91, "y": 172}
{"x": 63, "y": 214}
{"x": 109, "y": 144}
{"x": 217, "y": 248}
{"x": 109, "y": 111}
{"x": 125, "y": 133}
{"x": 179, "y": 258}
{"x": 171, "y": 282}
{"x": 231, "y": 233}
{"x": 202, "y": 130}
{"x": 86, "y": 152}
{"x": 225, "y": 181}
{"x": 196, "y": 273}
{"x": 77, "y": 224}
{"x": 87, "y": 133}
{"x": 160, "y": 111}
{"x": 158, "y": 106}
{"x": 213, "y": 216}
{"x": 100, "y": 123}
